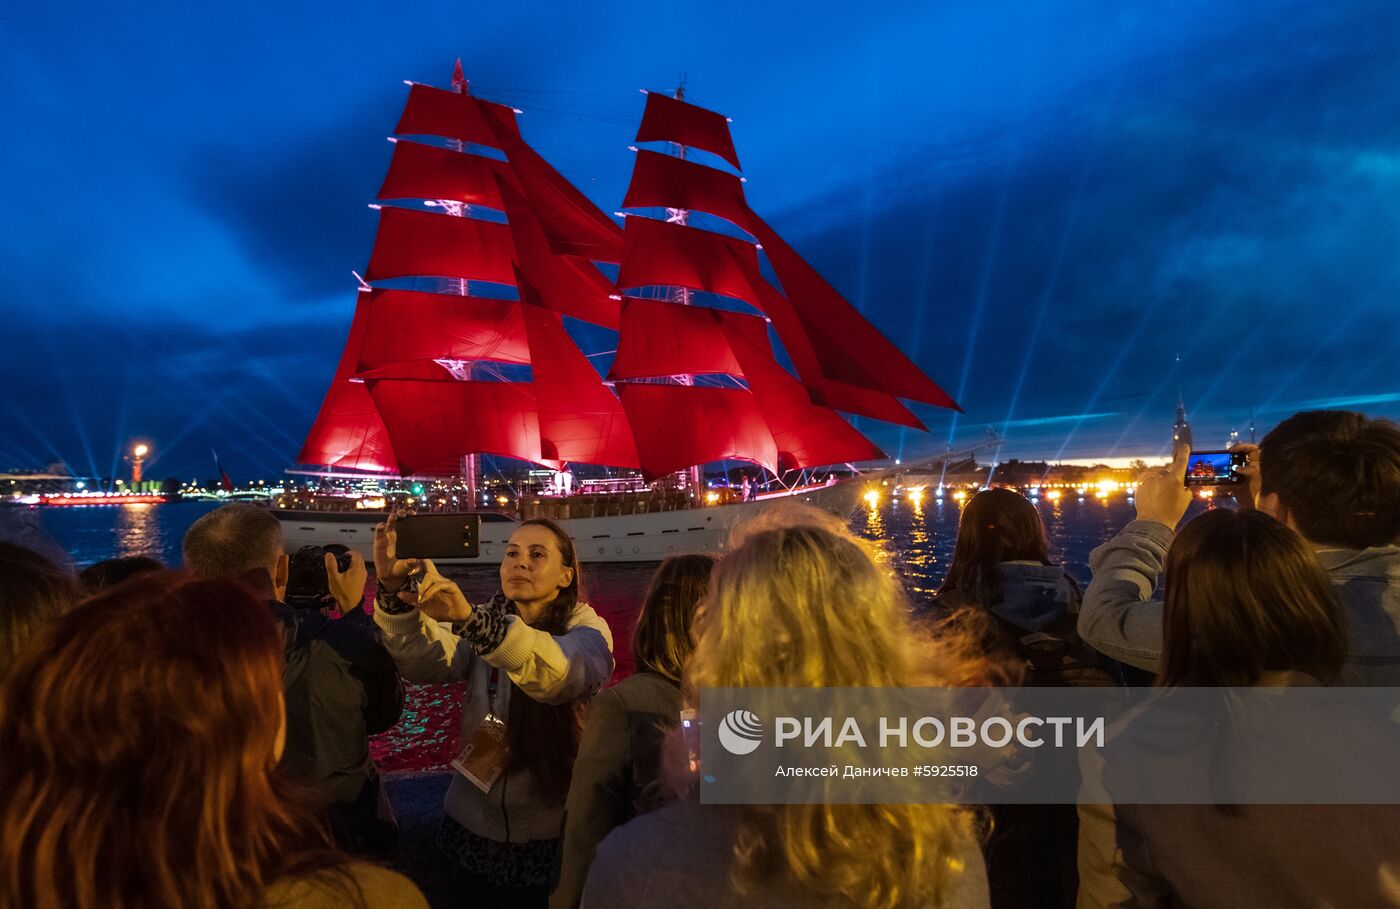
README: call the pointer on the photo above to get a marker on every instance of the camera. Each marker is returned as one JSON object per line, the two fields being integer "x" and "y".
{"x": 307, "y": 584}
{"x": 1215, "y": 468}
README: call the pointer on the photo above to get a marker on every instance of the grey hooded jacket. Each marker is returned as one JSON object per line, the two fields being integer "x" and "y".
{"x": 1120, "y": 619}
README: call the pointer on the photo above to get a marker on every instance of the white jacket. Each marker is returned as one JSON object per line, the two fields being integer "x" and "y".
{"x": 553, "y": 669}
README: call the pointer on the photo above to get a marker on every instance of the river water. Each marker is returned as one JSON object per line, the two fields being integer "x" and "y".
{"x": 920, "y": 535}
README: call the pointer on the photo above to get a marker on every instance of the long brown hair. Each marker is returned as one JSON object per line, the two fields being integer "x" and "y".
{"x": 998, "y": 525}
{"x": 1245, "y": 596}
{"x": 544, "y": 738}
{"x": 139, "y": 740}
{"x": 661, "y": 639}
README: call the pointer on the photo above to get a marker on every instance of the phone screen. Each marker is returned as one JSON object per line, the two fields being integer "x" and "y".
{"x": 1213, "y": 468}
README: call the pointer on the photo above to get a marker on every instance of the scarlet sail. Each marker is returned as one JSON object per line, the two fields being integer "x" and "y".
{"x": 668, "y": 120}
{"x": 434, "y": 373}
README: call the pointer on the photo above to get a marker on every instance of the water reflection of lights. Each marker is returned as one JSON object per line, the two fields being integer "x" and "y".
{"x": 1054, "y": 495}
{"x": 960, "y": 495}
{"x": 138, "y": 531}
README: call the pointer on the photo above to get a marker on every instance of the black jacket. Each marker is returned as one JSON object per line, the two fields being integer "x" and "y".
{"x": 616, "y": 775}
{"x": 341, "y": 687}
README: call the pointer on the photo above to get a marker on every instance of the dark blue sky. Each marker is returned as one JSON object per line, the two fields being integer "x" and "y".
{"x": 1043, "y": 204}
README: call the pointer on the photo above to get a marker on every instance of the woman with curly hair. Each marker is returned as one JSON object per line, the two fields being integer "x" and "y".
{"x": 799, "y": 606}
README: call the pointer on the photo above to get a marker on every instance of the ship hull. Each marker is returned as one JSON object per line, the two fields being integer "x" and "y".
{"x": 648, "y": 537}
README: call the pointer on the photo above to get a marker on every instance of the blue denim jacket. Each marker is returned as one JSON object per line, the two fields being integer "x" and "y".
{"x": 1120, "y": 618}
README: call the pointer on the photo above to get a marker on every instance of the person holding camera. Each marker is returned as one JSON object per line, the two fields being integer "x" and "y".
{"x": 341, "y": 685}
{"x": 532, "y": 657}
{"x": 1331, "y": 476}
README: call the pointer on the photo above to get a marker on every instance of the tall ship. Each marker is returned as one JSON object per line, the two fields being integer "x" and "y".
{"x": 461, "y": 341}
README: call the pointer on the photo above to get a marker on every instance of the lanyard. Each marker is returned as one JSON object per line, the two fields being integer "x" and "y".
{"x": 492, "y": 685}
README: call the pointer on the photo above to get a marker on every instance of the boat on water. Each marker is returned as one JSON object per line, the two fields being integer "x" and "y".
{"x": 459, "y": 345}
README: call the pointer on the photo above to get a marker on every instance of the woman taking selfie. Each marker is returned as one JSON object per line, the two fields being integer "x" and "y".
{"x": 141, "y": 735}
{"x": 532, "y": 657}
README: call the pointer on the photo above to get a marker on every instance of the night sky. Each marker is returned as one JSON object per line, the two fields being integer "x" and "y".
{"x": 1043, "y": 204}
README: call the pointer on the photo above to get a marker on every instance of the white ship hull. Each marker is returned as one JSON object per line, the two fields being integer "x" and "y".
{"x": 648, "y": 537}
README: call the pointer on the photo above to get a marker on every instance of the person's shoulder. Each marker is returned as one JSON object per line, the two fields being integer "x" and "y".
{"x": 647, "y": 692}
{"x": 652, "y": 835}
{"x": 356, "y": 883}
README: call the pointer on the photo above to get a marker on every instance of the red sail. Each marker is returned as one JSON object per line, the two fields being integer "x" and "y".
{"x": 574, "y": 225}
{"x": 423, "y": 243}
{"x": 348, "y": 433}
{"x": 435, "y": 421}
{"x": 666, "y": 339}
{"x": 579, "y": 418}
{"x": 454, "y": 115}
{"x": 848, "y": 347}
{"x": 665, "y": 181}
{"x": 794, "y": 335}
{"x": 806, "y": 434}
{"x": 566, "y": 284}
{"x": 661, "y": 253}
{"x": 668, "y": 120}
{"x": 679, "y": 425}
{"x": 427, "y": 172}
{"x": 406, "y": 325}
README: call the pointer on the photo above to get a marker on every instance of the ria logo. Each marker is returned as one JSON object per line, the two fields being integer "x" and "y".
{"x": 740, "y": 732}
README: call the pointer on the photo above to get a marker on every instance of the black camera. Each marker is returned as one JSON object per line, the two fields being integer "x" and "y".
{"x": 307, "y": 584}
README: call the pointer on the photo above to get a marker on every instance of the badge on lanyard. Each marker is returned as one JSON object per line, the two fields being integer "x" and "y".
{"x": 483, "y": 758}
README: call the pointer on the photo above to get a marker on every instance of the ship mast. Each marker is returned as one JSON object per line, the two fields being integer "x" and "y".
{"x": 696, "y": 474}
{"x": 471, "y": 463}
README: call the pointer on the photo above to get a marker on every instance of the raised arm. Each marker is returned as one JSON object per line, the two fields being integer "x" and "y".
{"x": 1119, "y": 618}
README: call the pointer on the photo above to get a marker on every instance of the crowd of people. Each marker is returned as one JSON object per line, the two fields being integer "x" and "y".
{"x": 187, "y": 739}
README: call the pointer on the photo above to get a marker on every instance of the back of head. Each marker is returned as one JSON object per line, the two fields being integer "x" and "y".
{"x": 1245, "y": 596}
{"x": 99, "y": 576}
{"x": 997, "y": 525}
{"x": 1337, "y": 474}
{"x": 232, "y": 541}
{"x": 802, "y": 606}
{"x": 32, "y": 595}
{"x": 143, "y": 733}
{"x": 661, "y": 640}
{"x": 805, "y": 606}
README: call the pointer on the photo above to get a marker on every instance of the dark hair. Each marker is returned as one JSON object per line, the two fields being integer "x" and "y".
{"x": 1245, "y": 596}
{"x": 33, "y": 593}
{"x": 998, "y": 525}
{"x": 140, "y": 761}
{"x": 1338, "y": 475}
{"x": 99, "y": 576}
{"x": 544, "y": 738}
{"x": 232, "y": 541}
{"x": 661, "y": 640}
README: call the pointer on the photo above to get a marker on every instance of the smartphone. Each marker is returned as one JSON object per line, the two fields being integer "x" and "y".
{"x": 1215, "y": 468}
{"x": 438, "y": 536}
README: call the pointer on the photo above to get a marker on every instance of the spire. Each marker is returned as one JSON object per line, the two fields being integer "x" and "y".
{"x": 459, "y": 81}
{"x": 1181, "y": 429}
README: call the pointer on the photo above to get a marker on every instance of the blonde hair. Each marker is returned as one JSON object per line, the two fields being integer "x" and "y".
{"x": 808, "y": 606}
